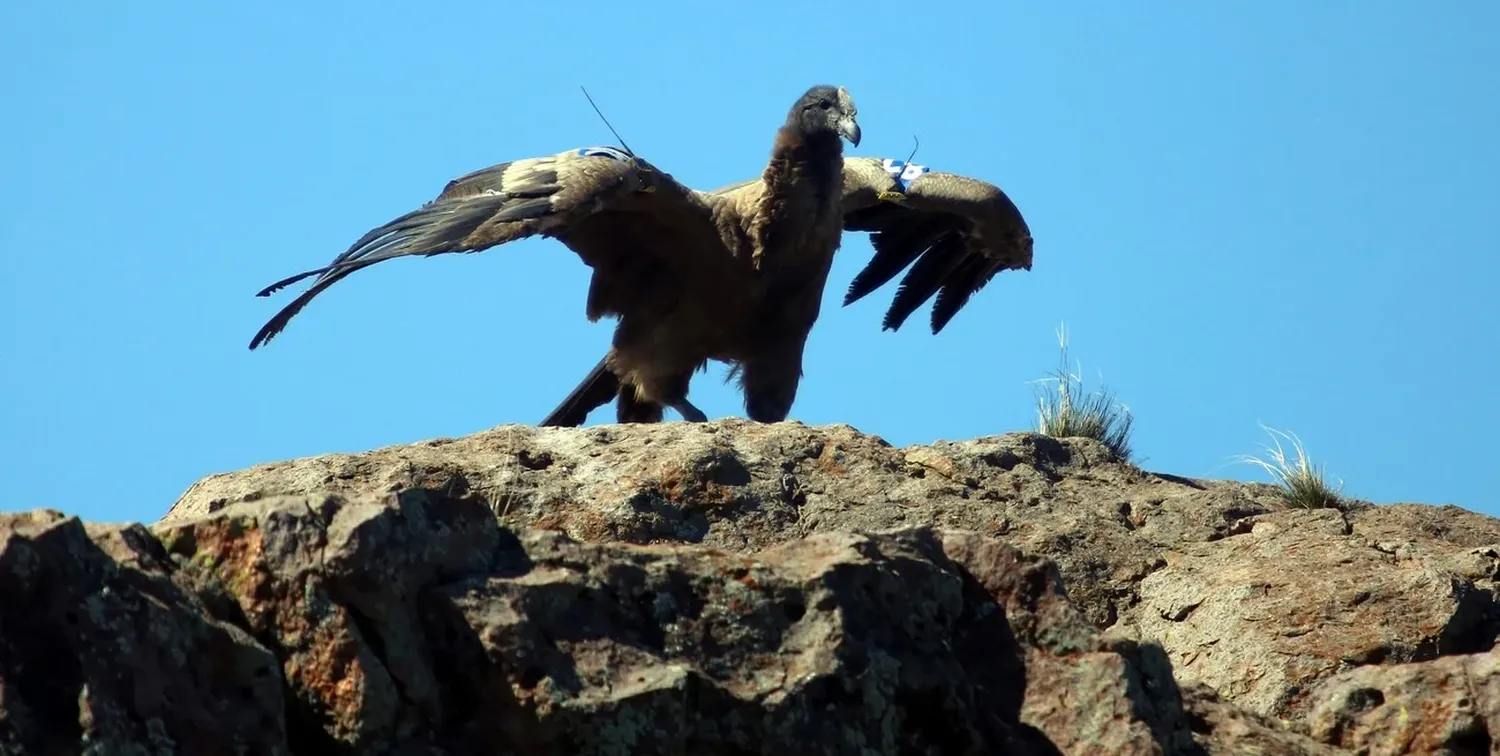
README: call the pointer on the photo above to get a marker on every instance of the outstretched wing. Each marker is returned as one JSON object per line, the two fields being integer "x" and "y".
{"x": 620, "y": 215}
{"x": 959, "y": 231}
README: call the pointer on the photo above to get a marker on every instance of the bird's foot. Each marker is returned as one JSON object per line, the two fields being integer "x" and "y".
{"x": 689, "y": 412}
{"x": 891, "y": 197}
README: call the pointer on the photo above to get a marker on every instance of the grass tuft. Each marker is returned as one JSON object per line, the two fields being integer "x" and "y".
{"x": 1302, "y": 483}
{"x": 1068, "y": 412}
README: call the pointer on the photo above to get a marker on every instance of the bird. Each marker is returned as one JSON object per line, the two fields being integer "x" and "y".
{"x": 959, "y": 231}
{"x": 734, "y": 275}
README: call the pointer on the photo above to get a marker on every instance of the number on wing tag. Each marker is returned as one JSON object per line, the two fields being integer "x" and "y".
{"x": 903, "y": 172}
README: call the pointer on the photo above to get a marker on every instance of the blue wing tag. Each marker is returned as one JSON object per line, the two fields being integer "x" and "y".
{"x": 609, "y": 152}
{"x": 903, "y": 172}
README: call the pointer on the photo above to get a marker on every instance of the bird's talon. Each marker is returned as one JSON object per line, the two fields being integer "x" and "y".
{"x": 690, "y": 413}
{"x": 892, "y": 197}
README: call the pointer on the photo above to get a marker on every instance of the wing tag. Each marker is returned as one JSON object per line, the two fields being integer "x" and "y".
{"x": 903, "y": 172}
{"x": 603, "y": 151}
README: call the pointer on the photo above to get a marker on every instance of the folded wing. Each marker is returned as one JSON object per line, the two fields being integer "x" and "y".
{"x": 622, "y": 216}
{"x": 954, "y": 232}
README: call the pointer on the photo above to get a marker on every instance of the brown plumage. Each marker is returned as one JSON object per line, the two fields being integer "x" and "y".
{"x": 692, "y": 276}
{"x": 735, "y": 275}
{"x": 955, "y": 233}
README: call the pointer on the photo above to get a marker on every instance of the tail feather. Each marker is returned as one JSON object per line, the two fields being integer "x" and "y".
{"x": 596, "y": 389}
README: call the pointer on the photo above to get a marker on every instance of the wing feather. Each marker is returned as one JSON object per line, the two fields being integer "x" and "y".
{"x": 966, "y": 278}
{"x": 926, "y": 276}
{"x": 895, "y": 248}
{"x": 554, "y": 196}
{"x": 956, "y": 232}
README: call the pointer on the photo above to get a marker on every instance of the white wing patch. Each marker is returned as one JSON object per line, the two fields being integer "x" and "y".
{"x": 603, "y": 151}
{"x": 903, "y": 172}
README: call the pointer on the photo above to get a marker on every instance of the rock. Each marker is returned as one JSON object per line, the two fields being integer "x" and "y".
{"x": 102, "y": 653}
{"x": 414, "y": 621}
{"x": 1266, "y": 615}
{"x": 1449, "y": 706}
{"x": 1186, "y": 563}
{"x": 1081, "y": 692}
{"x": 744, "y": 486}
{"x": 1220, "y": 727}
{"x": 735, "y": 588}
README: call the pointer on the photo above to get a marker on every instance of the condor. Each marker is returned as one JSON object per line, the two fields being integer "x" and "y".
{"x": 735, "y": 275}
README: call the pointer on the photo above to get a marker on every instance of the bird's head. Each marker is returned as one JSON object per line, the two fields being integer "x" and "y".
{"x": 826, "y": 110}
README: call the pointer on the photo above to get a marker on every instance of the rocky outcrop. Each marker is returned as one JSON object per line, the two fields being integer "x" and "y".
{"x": 1450, "y": 705}
{"x": 1300, "y": 596}
{"x": 417, "y": 620}
{"x": 737, "y": 588}
{"x": 102, "y": 651}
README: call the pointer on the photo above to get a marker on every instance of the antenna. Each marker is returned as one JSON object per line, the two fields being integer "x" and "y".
{"x": 913, "y": 149}
{"x": 628, "y": 151}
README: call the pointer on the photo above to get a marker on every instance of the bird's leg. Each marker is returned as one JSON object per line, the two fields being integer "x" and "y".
{"x": 671, "y": 391}
{"x": 891, "y": 197}
{"x": 676, "y": 397}
{"x": 769, "y": 383}
{"x": 631, "y": 408}
{"x": 689, "y": 412}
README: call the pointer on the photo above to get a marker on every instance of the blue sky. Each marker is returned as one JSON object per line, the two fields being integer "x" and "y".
{"x": 1244, "y": 212}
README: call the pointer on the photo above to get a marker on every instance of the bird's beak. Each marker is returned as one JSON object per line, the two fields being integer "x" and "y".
{"x": 849, "y": 129}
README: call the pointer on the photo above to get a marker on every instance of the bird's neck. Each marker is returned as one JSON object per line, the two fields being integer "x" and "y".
{"x": 803, "y": 190}
{"x": 796, "y": 155}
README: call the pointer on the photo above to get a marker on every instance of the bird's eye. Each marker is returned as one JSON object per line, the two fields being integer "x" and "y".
{"x": 824, "y": 104}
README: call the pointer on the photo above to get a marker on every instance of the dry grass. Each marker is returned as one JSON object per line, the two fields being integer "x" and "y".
{"x": 1066, "y": 411}
{"x": 1301, "y": 482}
{"x": 500, "y": 490}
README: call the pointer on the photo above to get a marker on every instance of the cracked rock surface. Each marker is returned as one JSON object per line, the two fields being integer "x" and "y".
{"x": 739, "y": 588}
{"x": 102, "y": 652}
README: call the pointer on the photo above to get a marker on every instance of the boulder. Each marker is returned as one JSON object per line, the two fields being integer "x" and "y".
{"x": 734, "y": 588}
